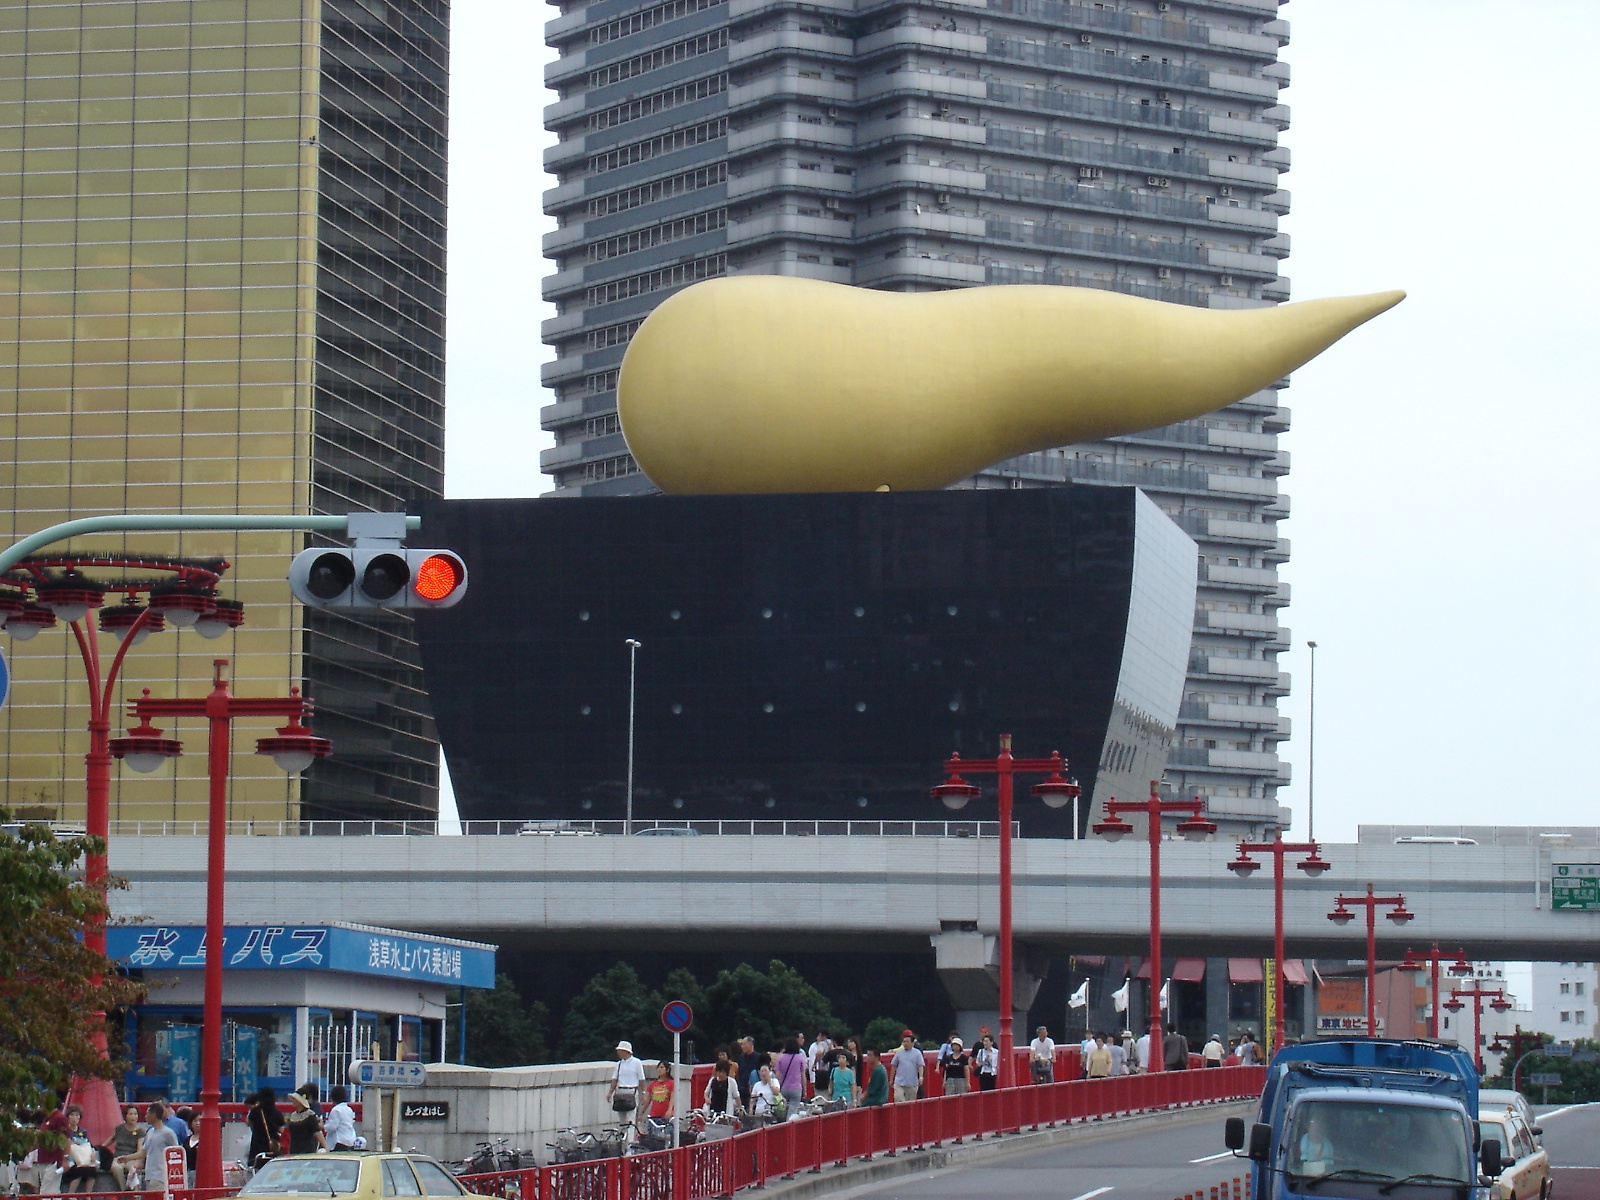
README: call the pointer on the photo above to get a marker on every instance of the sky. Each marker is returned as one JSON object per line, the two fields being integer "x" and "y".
{"x": 1443, "y": 482}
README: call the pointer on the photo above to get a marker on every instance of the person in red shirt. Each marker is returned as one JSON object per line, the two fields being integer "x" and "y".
{"x": 659, "y": 1092}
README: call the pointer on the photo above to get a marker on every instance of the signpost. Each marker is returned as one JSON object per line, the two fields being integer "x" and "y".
{"x": 175, "y": 1163}
{"x": 676, "y": 1017}
{"x": 381, "y": 1073}
{"x": 1546, "y": 1080}
{"x": 1575, "y": 887}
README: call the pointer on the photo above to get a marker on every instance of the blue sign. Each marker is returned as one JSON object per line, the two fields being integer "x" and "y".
{"x": 351, "y": 949}
{"x": 183, "y": 1062}
{"x": 677, "y": 1016}
{"x": 5, "y": 677}
{"x": 381, "y": 1073}
{"x": 245, "y": 1078}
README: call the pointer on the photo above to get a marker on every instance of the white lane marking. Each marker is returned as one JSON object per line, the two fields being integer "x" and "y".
{"x": 1213, "y": 1157}
{"x": 1091, "y": 1195}
{"x": 1556, "y": 1112}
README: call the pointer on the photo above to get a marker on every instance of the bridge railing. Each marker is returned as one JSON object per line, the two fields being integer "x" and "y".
{"x": 563, "y": 829}
{"x": 721, "y": 1168}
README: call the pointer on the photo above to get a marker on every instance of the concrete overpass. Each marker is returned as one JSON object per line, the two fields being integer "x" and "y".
{"x": 879, "y": 893}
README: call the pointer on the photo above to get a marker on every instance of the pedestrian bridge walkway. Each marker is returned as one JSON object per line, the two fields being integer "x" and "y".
{"x": 869, "y": 891}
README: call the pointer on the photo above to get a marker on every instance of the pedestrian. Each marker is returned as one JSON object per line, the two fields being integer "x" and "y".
{"x": 723, "y": 1097}
{"x": 1085, "y": 1049}
{"x": 765, "y": 1098}
{"x": 876, "y": 1092}
{"x": 858, "y": 1056}
{"x": 265, "y": 1123}
{"x": 988, "y": 1063}
{"x": 957, "y": 1069}
{"x": 1212, "y": 1053}
{"x": 50, "y": 1156}
{"x": 1175, "y": 1051}
{"x": 844, "y": 1086}
{"x": 123, "y": 1147}
{"x": 340, "y": 1130}
{"x": 153, "y": 1156}
{"x": 944, "y": 1047}
{"x": 907, "y": 1067}
{"x": 791, "y": 1072}
{"x": 821, "y": 1062}
{"x": 191, "y": 1140}
{"x": 1249, "y": 1050}
{"x": 1099, "y": 1058}
{"x": 1141, "y": 1051}
{"x": 660, "y": 1093}
{"x": 1042, "y": 1056}
{"x": 82, "y": 1159}
{"x": 1130, "y": 1053}
{"x": 749, "y": 1062}
{"x": 1119, "y": 1057}
{"x": 304, "y": 1125}
{"x": 724, "y": 1055}
{"x": 627, "y": 1077}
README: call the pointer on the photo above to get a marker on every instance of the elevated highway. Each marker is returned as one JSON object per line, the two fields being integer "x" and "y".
{"x": 880, "y": 893}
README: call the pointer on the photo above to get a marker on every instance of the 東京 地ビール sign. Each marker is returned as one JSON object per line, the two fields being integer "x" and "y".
{"x": 1575, "y": 887}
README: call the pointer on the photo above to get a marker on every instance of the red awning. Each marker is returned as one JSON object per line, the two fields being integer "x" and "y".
{"x": 1091, "y": 960}
{"x": 1189, "y": 970}
{"x": 1143, "y": 971}
{"x": 1294, "y": 971}
{"x": 1244, "y": 970}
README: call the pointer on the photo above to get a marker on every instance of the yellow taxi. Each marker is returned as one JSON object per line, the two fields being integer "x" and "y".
{"x": 353, "y": 1175}
{"x": 1526, "y": 1173}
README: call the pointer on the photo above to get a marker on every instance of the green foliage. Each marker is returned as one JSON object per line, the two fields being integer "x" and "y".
{"x": 54, "y": 990}
{"x": 1580, "y": 1075}
{"x": 501, "y": 1030}
{"x": 883, "y": 1033}
{"x": 767, "y": 1007}
{"x": 613, "y": 1006}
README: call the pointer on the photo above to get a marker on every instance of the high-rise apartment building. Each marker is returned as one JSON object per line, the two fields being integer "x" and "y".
{"x": 1130, "y": 145}
{"x": 221, "y": 290}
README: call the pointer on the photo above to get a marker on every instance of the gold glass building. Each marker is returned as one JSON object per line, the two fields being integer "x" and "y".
{"x": 221, "y": 290}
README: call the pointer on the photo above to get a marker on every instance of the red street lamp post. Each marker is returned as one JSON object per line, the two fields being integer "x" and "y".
{"x": 1341, "y": 915}
{"x": 144, "y": 748}
{"x": 1498, "y": 1000}
{"x": 1244, "y": 866}
{"x": 1414, "y": 962}
{"x": 1055, "y": 791}
{"x": 1196, "y": 828}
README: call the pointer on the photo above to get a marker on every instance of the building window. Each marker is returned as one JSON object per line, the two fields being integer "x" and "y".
{"x": 1566, "y": 988}
{"x": 1580, "y": 1017}
{"x": 1566, "y": 1017}
{"x": 1577, "y": 988}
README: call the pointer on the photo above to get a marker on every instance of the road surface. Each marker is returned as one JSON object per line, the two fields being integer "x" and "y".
{"x": 1572, "y": 1138}
{"x": 1148, "y": 1161}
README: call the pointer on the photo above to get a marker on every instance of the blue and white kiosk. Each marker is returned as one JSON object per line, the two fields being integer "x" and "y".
{"x": 299, "y": 1002}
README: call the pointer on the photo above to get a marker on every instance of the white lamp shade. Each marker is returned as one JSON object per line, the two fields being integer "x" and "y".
{"x": 144, "y": 763}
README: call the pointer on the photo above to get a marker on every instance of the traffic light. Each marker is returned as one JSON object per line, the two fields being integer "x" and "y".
{"x": 333, "y": 577}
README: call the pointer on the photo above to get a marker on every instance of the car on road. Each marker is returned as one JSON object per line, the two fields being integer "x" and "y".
{"x": 1526, "y": 1173}
{"x": 1490, "y": 1098}
{"x": 352, "y": 1175}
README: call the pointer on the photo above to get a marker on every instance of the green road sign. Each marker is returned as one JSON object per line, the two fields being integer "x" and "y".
{"x": 1575, "y": 887}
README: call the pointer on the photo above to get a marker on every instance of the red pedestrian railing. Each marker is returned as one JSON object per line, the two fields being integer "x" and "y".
{"x": 720, "y": 1168}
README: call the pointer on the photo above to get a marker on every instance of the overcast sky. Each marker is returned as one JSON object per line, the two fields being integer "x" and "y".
{"x": 1444, "y": 483}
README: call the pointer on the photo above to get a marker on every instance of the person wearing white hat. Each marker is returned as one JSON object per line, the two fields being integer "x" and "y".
{"x": 626, "y": 1080}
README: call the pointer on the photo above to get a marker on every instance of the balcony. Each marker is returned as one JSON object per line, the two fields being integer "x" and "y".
{"x": 904, "y": 175}
{"x": 903, "y": 269}
{"x": 1242, "y": 485}
{"x": 918, "y": 129}
{"x": 1236, "y": 622}
{"x": 1251, "y": 533}
{"x": 767, "y": 226}
{"x": 788, "y": 41}
{"x": 763, "y": 134}
{"x": 1247, "y": 577}
{"x": 1242, "y": 439}
{"x": 1253, "y": 670}
{"x": 1233, "y": 762}
{"x": 788, "y": 179}
{"x": 905, "y": 222}
{"x": 922, "y": 37}
{"x": 1277, "y": 421}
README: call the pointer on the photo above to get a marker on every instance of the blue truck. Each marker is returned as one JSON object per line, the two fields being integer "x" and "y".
{"x": 1367, "y": 1119}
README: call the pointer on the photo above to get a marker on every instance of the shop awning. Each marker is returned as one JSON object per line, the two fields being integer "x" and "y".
{"x": 1184, "y": 970}
{"x": 1091, "y": 960}
{"x": 1244, "y": 970}
{"x": 1294, "y": 971}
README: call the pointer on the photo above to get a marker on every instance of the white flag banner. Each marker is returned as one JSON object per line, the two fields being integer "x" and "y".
{"x": 1120, "y": 997}
{"x": 1080, "y": 997}
{"x": 1165, "y": 987}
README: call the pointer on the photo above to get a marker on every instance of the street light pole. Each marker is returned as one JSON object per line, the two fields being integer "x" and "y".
{"x": 1244, "y": 866}
{"x": 1311, "y": 752}
{"x": 1341, "y": 915}
{"x": 1055, "y": 791}
{"x": 1413, "y": 962}
{"x": 633, "y": 654}
{"x": 1196, "y": 828}
{"x": 1478, "y": 994}
{"x": 144, "y": 749}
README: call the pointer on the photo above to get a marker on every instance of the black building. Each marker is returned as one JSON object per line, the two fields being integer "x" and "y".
{"x": 804, "y": 657}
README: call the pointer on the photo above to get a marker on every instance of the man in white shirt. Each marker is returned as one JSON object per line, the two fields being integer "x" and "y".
{"x": 1212, "y": 1051}
{"x": 623, "y": 1093}
{"x": 1085, "y": 1048}
{"x": 1141, "y": 1051}
{"x": 821, "y": 1060}
{"x": 1119, "y": 1057}
{"x": 1042, "y": 1056}
{"x": 906, "y": 1068}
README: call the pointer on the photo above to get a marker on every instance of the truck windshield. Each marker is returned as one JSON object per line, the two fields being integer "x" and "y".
{"x": 1384, "y": 1145}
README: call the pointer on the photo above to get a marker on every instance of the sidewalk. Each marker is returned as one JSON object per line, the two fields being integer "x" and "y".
{"x": 841, "y": 1181}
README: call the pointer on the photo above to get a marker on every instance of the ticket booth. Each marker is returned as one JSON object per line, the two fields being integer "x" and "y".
{"x": 298, "y": 1003}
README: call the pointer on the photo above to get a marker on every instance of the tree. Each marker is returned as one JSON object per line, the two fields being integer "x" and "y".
{"x": 883, "y": 1033}
{"x": 767, "y": 1007}
{"x": 614, "y": 1006}
{"x": 54, "y": 990}
{"x": 501, "y": 1030}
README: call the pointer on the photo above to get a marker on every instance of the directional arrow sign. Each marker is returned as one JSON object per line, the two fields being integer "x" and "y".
{"x": 1545, "y": 1079}
{"x": 382, "y": 1074}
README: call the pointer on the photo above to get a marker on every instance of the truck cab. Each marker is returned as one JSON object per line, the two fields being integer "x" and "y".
{"x": 1368, "y": 1119}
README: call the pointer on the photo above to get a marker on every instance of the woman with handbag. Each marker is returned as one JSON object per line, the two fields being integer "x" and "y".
{"x": 83, "y": 1160}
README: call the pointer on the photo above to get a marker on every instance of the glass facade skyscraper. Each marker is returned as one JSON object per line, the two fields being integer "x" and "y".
{"x": 221, "y": 290}
{"x": 1129, "y": 145}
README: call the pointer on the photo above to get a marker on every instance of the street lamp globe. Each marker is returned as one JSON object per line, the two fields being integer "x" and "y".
{"x": 1057, "y": 791}
{"x": 120, "y": 618}
{"x": 1196, "y": 829}
{"x": 1401, "y": 915}
{"x": 25, "y": 625}
{"x": 1341, "y": 915}
{"x": 1113, "y": 828}
{"x": 1461, "y": 966}
{"x": 1244, "y": 866}
{"x": 144, "y": 748}
{"x": 1314, "y": 865}
{"x": 955, "y": 792}
{"x": 71, "y": 596}
{"x": 228, "y": 614}
{"x": 295, "y": 748}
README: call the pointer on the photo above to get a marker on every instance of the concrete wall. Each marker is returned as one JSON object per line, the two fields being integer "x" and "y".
{"x": 525, "y": 1105}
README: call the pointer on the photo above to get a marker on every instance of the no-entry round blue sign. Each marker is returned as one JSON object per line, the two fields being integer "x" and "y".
{"x": 677, "y": 1016}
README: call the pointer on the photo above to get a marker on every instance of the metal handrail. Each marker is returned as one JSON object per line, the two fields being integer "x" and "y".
{"x": 561, "y": 829}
